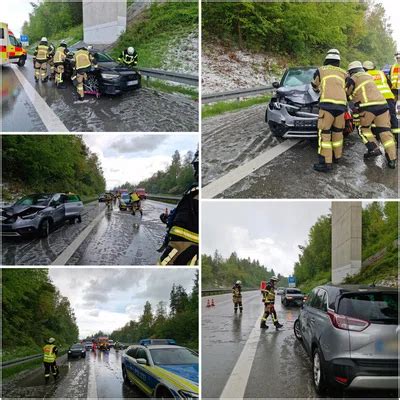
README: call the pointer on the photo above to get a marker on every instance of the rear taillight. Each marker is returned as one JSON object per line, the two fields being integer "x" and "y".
{"x": 341, "y": 379}
{"x": 347, "y": 323}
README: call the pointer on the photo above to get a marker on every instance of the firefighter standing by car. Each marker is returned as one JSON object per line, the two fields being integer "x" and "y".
{"x": 51, "y": 60}
{"x": 129, "y": 57}
{"x": 136, "y": 204}
{"x": 237, "y": 296}
{"x": 40, "y": 59}
{"x": 83, "y": 63}
{"x": 183, "y": 227}
{"x": 50, "y": 352}
{"x": 269, "y": 304}
{"x": 361, "y": 89}
{"x": 382, "y": 84}
{"x": 59, "y": 59}
{"x": 394, "y": 76}
{"x": 329, "y": 80}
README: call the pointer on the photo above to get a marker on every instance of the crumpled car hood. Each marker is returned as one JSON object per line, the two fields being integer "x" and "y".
{"x": 18, "y": 210}
{"x": 303, "y": 94}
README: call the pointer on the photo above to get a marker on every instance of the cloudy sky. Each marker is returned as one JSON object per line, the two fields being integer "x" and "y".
{"x": 133, "y": 157}
{"x": 106, "y": 299}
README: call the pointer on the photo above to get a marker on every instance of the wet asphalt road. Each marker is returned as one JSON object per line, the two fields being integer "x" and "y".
{"x": 143, "y": 110}
{"x": 232, "y": 139}
{"x": 96, "y": 376}
{"x": 118, "y": 239}
{"x": 281, "y": 367}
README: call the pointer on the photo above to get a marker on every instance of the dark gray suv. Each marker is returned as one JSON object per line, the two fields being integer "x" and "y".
{"x": 351, "y": 333}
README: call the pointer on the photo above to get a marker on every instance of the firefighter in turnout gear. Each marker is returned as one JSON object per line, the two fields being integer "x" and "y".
{"x": 269, "y": 304}
{"x": 383, "y": 86}
{"x": 51, "y": 60}
{"x": 50, "y": 352}
{"x": 329, "y": 80}
{"x": 136, "y": 204}
{"x": 129, "y": 57}
{"x": 374, "y": 109}
{"x": 40, "y": 59}
{"x": 183, "y": 227}
{"x": 394, "y": 76}
{"x": 59, "y": 59}
{"x": 83, "y": 63}
{"x": 237, "y": 296}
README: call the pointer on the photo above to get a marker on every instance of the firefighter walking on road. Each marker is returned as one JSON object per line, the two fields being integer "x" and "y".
{"x": 50, "y": 352}
{"x": 374, "y": 109}
{"x": 83, "y": 63}
{"x": 129, "y": 57}
{"x": 40, "y": 59}
{"x": 59, "y": 60}
{"x": 329, "y": 80}
{"x": 269, "y": 304}
{"x": 237, "y": 296}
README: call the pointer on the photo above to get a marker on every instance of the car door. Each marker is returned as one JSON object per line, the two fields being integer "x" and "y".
{"x": 320, "y": 321}
{"x": 73, "y": 205}
{"x": 142, "y": 372}
{"x": 305, "y": 321}
{"x": 58, "y": 208}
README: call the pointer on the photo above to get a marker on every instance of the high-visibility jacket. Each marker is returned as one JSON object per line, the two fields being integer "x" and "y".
{"x": 394, "y": 76}
{"x": 331, "y": 82}
{"x": 59, "y": 56}
{"x": 82, "y": 59}
{"x": 135, "y": 197}
{"x": 363, "y": 91}
{"x": 48, "y": 353}
{"x": 128, "y": 59}
{"x": 237, "y": 293}
{"x": 381, "y": 83}
{"x": 42, "y": 52}
{"x": 269, "y": 294}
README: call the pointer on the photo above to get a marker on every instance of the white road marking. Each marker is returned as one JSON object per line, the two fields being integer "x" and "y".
{"x": 236, "y": 385}
{"x": 92, "y": 385}
{"x": 221, "y": 184}
{"x": 46, "y": 114}
{"x": 63, "y": 258}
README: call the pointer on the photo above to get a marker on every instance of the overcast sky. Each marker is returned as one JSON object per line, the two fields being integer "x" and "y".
{"x": 133, "y": 157}
{"x": 106, "y": 299}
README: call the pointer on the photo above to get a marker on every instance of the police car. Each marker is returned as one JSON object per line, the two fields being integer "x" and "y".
{"x": 160, "y": 368}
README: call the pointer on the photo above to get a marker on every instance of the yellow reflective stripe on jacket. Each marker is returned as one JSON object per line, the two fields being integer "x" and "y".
{"x": 344, "y": 102}
{"x": 373, "y": 103}
{"x": 396, "y": 130}
{"x": 381, "y": 83}
{"x": 82, "y": 59}
{"x": 48, "y": 355}
{"x": 59, "y": 55}
{"x": 42, "y": 52}
{"x": 184, "y": 233}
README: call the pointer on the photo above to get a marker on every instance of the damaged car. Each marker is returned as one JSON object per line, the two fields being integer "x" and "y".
{"x": 293, "y": 109}
{"x": 39, "y": 213}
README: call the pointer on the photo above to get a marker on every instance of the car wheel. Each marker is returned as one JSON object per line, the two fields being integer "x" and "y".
{"x": 297, "y": 330}
{"x": 318, "y": 372}
{"x": 44, "y": 228}
{"x": 79, "y": 218}
{"x": 285, "y": 303}
{"x": 21, "y": 62}
{"x": 125, "y": 376}
{"x": 164, "y": 393}
{"x": 92, "y": 83}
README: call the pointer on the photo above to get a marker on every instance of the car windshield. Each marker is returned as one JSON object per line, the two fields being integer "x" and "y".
{"x": 296, "y": 77}
{"x": 103, "y": 57}
{"x": 34, "y": 200}
{"x": 373, "y": 307}
{"x": 293, "y": 291}
{"x": 173, "y": 356}
{"x": 125, "y": 197}
{"x": 76, "y": 347}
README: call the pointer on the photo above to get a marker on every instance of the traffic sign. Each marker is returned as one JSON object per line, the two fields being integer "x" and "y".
{"x": 292, "y": 281}
{"x": 24, "y": 39}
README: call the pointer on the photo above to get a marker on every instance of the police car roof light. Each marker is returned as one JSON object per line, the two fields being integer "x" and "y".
{"x": 147, "y": 342}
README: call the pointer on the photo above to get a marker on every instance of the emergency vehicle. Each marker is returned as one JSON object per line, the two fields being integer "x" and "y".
{"x": 11, "y": 48}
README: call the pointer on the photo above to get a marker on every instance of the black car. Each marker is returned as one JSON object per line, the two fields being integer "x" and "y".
{"x": 109, "y": 77}
{"x": 292, "y": 296}
{"x": 102, "y": 198}
{"x": 77, "y": 350}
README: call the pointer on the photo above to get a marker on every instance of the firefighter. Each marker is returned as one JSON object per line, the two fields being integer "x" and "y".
{"x": 269, "y": 304}
{"x": 183, "y": 227}
{"x": 51, "y": 60}
{"x": 135, "y": 202}
{"x": 361, "y": 89}
{"x": 83, "y": 63}
{"x": 59, "y": 59}
{"x": 383, "y": 86}
{"x": 40, "y": 59}
{"x": 129, "y": 57}
{"x": 394, "y": 76}
{"x": 329, "y": 80}
{"x": 237, "y": 296}
{"x": 50, "y": 352}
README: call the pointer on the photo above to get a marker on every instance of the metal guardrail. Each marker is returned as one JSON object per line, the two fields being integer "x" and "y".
{"x": 215, "y": 292}
{"x": 20, "y": 360}
{"x": 187, "y": 79}
{"x": 163, "y": 197}
{"x": 235, "y": 94}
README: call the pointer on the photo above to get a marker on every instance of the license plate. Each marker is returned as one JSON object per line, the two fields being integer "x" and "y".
{"x": 131, "y": 83}
{"x": 306, "y": 124}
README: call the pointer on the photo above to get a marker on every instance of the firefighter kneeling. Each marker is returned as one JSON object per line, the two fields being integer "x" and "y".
{"x": 269, "y": 304}
{"x": 49, "y": 360}
{"x": 83, "y": 63}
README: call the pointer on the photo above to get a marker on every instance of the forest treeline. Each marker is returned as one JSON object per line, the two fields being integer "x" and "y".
{"x": 51, "y": 163}
{"x": 220, "y": 272}
{"x": 33, "y": 310}
{"x": 174, "y": 179}
{"x": 302, "y": 32}
{"x": 179, "y": 321}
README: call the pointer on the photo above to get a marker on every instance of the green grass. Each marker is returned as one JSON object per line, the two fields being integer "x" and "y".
{"x": 16, "y": 369}
{"x": 211, "y": 110}
{"x": 320, "y": 279}
{"x": 19, "y": 352}
{"x": 168, "y": 88}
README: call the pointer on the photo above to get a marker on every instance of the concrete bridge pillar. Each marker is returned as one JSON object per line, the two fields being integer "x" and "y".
{"x": 103, "y": 22}
{"x": 346, "y": 239}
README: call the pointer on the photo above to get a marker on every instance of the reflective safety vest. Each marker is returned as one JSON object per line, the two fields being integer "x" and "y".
{"x": 184, "y": 234}
{"x": 333, "y": 83}
{"x": 381, "y": 83}
{"x": 394, "y": 76}
{"x": 365, "y": 92}
{"x": 127, "y": 58}
{"x": 82, "y": 59}
{"x": 42, "y": 52}
{"x": 269, "y": 295}
{"x": 60, "y": 55}
{"x": 135, "y": 197}
{"x": 49, "y": 356}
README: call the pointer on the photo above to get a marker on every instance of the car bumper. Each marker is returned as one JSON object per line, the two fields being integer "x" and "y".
{"x": 20, "y": 227}
{"x": 117, "y": 86}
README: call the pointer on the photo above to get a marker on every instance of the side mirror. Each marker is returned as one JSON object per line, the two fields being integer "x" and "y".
{"x": 141, "y": 361}
{"x": 276, "y": 85}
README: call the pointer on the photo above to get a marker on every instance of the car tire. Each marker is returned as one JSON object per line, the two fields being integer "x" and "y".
{"x": 125, "y": 375}
{"x": 79, "y": 218}
{"x": 21, "y": 62}
{"x": 318, "y": 372}
{"x": 285, "y": 303}
{"x": 164, "y": 393}
{"x": 297, "y": 331}
{"x": 44, "y": 229}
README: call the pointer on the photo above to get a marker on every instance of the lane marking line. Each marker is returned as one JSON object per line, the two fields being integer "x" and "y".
{"x": 63, "y": 258}
{"x": 236, "y": 384}
{"x": 46, "y": 114}
{"x": 221, "y": 184}
{"x": 92, "y": 385}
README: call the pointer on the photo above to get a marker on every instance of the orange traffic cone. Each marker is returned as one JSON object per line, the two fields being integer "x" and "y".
{"x": 208, "y": 303}
{"x": 212, "y": 303}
